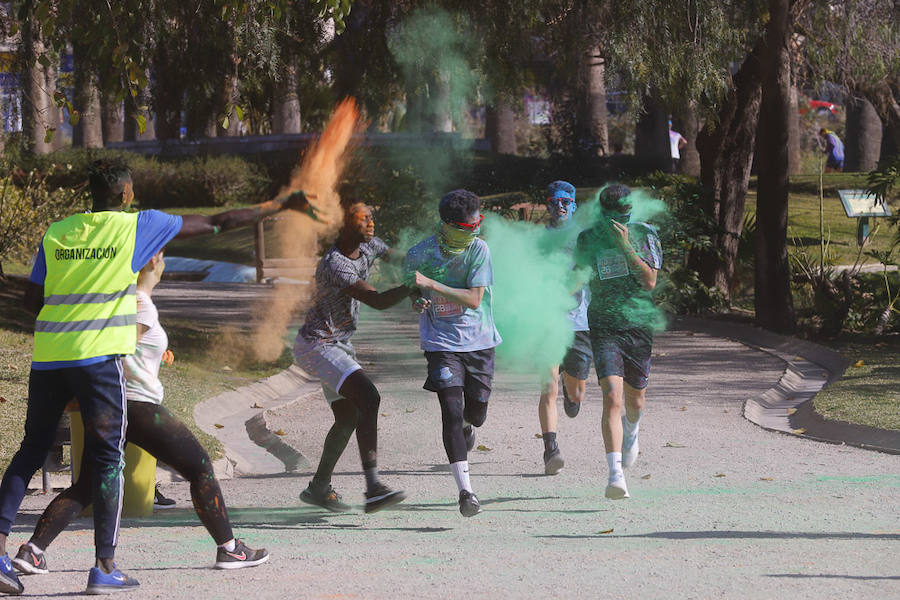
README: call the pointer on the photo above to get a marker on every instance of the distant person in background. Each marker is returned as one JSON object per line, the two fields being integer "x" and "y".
{"x": 676, "y": 143}
{"x": 834, "y": 150}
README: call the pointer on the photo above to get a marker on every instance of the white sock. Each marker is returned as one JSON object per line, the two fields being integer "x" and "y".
{"x": 461, "y": 474}
{"x": 229, "y": 546}
{"x": 614, "y": 460}
{"x": 35, "y": 549}
{"x": 630, "y": 429}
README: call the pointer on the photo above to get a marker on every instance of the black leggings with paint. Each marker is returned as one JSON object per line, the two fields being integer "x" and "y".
{"x": 155, "y": 429}
{"x": 457, "y": 407}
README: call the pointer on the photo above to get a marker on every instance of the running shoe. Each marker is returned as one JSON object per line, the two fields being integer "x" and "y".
{"x": 240, "y": 557}
{"x": 29, "y": 562}
{"x": 469, "y": 505}
{"x": 9, "y": 581}
{"x": 616, "y": 488}
{"x": 630, "y": 449}
{"x": 381, "y": 497}
{"x": 109, "y": 583}
{"x": 553, "y": 461}
{"x": 161, "y": 502}
{"x": 469, "y": 434}
{"x": 570, "y": 407}
{"x": 323, "y": 496}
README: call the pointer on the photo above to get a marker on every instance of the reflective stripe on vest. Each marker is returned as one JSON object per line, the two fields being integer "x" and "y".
{"x": 90, "y": 306}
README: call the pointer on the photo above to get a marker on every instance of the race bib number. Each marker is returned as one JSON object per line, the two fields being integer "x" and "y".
{"x": 444, "y": 308}
{"x": 612, "y": 264}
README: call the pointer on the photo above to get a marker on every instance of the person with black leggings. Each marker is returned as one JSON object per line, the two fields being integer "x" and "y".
{"x": 323, "y": 349}
{"x": 456, "y": 328}
{"x": 155, "y": 429}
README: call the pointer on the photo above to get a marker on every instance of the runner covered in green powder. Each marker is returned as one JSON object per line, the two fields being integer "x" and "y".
{"x": 457, "y": 328}
{"x": 576, "y": 364}
{"x": 622, "y": 258}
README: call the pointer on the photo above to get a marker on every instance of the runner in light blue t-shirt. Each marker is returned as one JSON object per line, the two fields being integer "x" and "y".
{"x": 454, "y": 274}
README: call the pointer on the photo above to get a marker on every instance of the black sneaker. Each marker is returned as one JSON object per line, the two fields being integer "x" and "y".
{"x": 323, "y": 496}
{"x": 28, "y": 562}
{"x": 240, "y": 557}
{"x": 469, "y": 434}
{"x": 469, "y": 505}
{"x": 381, "y": 497}
{"x": 161, "y": 502}
{"x": 9, "y": 581}
{"x": 553, "y": 461}
{"x": 570, "y": 407}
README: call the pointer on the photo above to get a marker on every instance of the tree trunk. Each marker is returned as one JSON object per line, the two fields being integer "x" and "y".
{"x": 286, "y": 103}
{"x": 592, "y": 117}
{"x": 439, "y": 109}
{"x": 88, "y": 132}
{"x": 862, "y": 143}
{"x": 690, "y": 128}
{"x": 651, "y": 137}
{"x": 500, "y": 127}
{"x": 230, "y": 97}
{"x": 794, "y": 166}
{"x": 113, "y": 120}
{"x": 726, "y": 145}
{"x": 772, "y": 298}
{"x": 168, "y": 94}
{"x": 55, "y": 114}
{"x": 885, "y": 97}
{"x": 35, "y": 102}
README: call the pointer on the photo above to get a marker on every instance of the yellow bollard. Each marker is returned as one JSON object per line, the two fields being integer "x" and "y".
{"x": 140, "y": 472}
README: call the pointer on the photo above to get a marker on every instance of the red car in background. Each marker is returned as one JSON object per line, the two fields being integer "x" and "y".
{"x": 821, "y": 108}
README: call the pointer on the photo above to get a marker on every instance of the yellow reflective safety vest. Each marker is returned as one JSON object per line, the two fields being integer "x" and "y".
{"x": 90, "y": 306}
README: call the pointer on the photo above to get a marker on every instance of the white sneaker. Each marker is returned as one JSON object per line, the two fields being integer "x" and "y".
{"x": 630, "y": 449}
{"x": 616, "y": 488}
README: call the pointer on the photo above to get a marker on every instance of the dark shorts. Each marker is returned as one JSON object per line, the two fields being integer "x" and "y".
{"x": 579, "y": 357}
{"x": 472, "y": 371}
{"x": 623, "y": 353}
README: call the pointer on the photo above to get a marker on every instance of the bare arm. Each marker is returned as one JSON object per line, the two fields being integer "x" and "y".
{"x": 192, "y": 225}
{"x": 468, "y": 297}
{"x": 34, "y": 297}
{"x": 369, "y": 296}
{"x": 645, "y": 273}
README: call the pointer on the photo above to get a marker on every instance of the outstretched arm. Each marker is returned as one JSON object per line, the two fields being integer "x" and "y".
{"x": 369, "y": 296}
{"x": 240, "y": 217}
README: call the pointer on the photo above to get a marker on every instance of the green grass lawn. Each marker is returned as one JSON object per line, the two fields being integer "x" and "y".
{"x": 195, "y": 376}
{"x": 868, "y": 394}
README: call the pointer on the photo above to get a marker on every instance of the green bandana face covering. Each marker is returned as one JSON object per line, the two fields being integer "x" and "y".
{"x": 454, "y": 240}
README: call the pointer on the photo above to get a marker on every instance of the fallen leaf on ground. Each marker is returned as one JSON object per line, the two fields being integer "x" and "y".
{"x": 791, "y": 411}
{"x": 538, "y": 435}
{"x": 720, "y": 475}
{"x": 410, "y": 410}
{"x": 684, "y": 408}
{"x": 280, "y": 432}
{"x": 647, "y": 476}
{"x": 674, "y": 445}
{"x": 767, "y": 479}
{"x": 859, "y": 363}
{"x": 605, "y": 531}
{"x": 726, "y": 410}
{"x": 226, "y": 368}
{"x": 2, "y": 399}
{"x": 257, "y": 405}
{"x": 218, "y": 425}
{"x": 384, "y": 414}
{"x": 483, "y": 448}
{"x": 799, "y": 431}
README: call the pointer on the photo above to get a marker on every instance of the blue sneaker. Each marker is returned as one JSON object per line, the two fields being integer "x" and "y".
{"x": 103, "y": 583}
{"x": 9, "y": 581}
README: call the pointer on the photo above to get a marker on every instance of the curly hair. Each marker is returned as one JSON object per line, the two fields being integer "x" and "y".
{"x": 107, "y": 181}
{"x": 614, "y": 197}
{"x": 459, "y": 206}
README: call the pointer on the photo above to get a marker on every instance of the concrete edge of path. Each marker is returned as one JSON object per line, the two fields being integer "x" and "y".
{"x": 236, "y": 418}
{"x": 788, "y": 406}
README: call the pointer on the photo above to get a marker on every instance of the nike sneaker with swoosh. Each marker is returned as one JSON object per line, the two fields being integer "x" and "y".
{"x": 9, "y": 581}
{"x": 109, "y": 583}
{"x": 240, "y": 557}
{"x": 27, "y": 561}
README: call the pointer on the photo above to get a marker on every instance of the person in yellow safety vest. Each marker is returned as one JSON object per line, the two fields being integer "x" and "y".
{"x": 83, "y": 287}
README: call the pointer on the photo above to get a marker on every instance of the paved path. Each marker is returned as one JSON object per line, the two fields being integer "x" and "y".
{"x": 719, "y": 507}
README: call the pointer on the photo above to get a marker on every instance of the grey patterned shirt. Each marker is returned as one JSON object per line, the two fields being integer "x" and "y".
{"x": 334, "y": 314}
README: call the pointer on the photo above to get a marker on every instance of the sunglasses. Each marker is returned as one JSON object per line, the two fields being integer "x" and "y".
{"x": 470, "y": 226}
